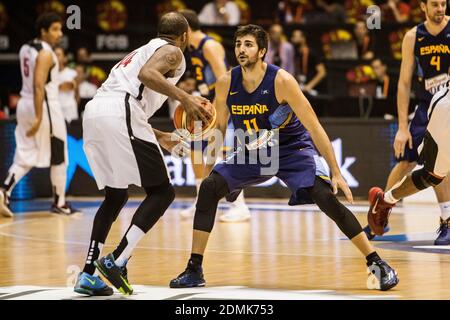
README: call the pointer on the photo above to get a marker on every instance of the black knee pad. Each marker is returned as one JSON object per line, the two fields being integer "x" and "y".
{"x": 212, "y": 189}
{"x": 115, "y": 200}
{"x": 327, "y": 202}
{"x": 165, "y": 194}
{"x": 422, "y": 179}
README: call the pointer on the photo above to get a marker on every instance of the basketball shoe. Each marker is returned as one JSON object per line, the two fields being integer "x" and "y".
{"x": 191, "y": 277}
{"x": 92, "y": 285}
{"x": 443, "y": 238}
{"x": 381, "y": 276}
{"x": 113, "y": 273}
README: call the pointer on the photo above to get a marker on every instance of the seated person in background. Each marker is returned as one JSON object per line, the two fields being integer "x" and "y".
{"x": 68, "y": 88}
{"x": 220, "y": 12}
{"x": 364, "y": 42}
{"x": 396, "y": 11}
{"x": 384, "y": 85}
{"x": 281, "y": 52}
{"x": 309, "y": 68}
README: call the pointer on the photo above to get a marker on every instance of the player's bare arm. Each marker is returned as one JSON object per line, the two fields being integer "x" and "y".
{"x": 162, "y": 64}
{"x": 44, "y": 62}
{"x": 222, "y": 88}
{"x": 288, "y": 91}
{"x": 403, "y": 135}
{"x": 215, "y": 55}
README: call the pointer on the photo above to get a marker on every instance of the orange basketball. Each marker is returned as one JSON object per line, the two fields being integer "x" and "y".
{"x": 182, "y": 122}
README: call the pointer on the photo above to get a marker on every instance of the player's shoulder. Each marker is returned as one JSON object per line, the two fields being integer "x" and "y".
{"x": 411, "y": 33}
{"x": 170, "y": 51}
{"x": 283, "y": 77}
{"x": 224, "y": 81}
{"x": 212, "y": 45}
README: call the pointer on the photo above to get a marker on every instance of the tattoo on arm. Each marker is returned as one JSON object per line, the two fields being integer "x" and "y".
{"x": 172, "y": 60}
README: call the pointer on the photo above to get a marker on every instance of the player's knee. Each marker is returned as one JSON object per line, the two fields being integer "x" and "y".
{"x": 167, "y": 196}
{"x": 212, "y": 189}
{"x": 423, "y": 179}
{"x": 115, "y": 199}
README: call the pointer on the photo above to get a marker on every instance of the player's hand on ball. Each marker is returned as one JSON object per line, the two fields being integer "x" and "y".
{"x": 175, "y": 144}
{"x": 339, "y": 182}
{"x": 34, "y": 128}
{"x": 195, "y": 108}
{"x": 402, "y": 137}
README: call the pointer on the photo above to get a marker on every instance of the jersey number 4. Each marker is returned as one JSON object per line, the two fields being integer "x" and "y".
{"x": 436, "y": 61}
{"x": 126, "y": 61}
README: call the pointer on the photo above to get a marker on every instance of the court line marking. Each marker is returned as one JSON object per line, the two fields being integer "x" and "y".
{"x": 86, "y": 244}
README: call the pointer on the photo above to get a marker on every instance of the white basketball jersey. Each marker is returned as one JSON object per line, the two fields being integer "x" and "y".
{"x": 28, "y": 54}
{"x": 123, "y": 78}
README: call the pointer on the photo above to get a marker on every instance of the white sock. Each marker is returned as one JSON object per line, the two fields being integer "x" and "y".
{"x": 133, "y": 236}
{"x": 445, "y": 210}
{"x": 58, "y": 178}
{"x": 15, "y": 173}
{"x": 240, "y": 201}
{"x": 389, "y": 198}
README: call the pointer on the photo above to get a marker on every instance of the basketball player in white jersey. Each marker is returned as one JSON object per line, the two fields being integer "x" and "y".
{"x": 122, "y": 147}
{"x": 434, "y": 151}
{"x": 41, "y": 130}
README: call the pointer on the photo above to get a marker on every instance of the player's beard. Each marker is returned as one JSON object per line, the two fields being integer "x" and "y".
{"x": 249, "y": 63}
{"x": 436, "y": 18}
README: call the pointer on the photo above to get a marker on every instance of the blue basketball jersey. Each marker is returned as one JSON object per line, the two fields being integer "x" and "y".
{"x": 204, "y": 74}
{"x": 260, "y": 109}
{"x": 432, "y": 55}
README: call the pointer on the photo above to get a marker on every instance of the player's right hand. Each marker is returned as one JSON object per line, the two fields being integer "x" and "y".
{"x": 34, "y": 128}
{"x": 402, "y": 137}
{"x": 194, "y": 107}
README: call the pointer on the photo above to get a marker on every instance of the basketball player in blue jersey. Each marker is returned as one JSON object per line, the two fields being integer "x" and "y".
{"x": 264, "y": 98}
{"x": 209, "y": 63}
{"x": 425, "y": 48}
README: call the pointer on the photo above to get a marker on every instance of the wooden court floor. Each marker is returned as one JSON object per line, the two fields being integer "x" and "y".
{"x": 281, "y": 249}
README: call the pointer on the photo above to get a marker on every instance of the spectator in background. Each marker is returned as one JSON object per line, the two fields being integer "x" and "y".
{"x": 166, "y": 6}
{"x": 86, "y": 89}
{"x": 334, "y": 9}
{"x": 220, "y": 12}
{"x": 364, "y": 42}
{"x": 293, "y": 11}
{"x": 94, "y": 74}
{"x": 309, "y": 68}
{"x": 396, "y": 11}
{"x": 281, "y": 52}
{"x": 68, "y": 88}
{"x": 384, "y": 85}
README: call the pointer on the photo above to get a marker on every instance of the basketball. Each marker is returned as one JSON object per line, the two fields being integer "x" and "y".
{"x": 182, "y": 122}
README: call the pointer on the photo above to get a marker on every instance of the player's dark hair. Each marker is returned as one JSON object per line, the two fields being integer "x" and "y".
{"x": 191, "y": 18}
{"x": 45, "y": 20}
{"x": 262, "y": 39}
{"x": 172, "y": 25}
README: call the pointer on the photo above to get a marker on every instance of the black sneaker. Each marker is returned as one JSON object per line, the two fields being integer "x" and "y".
{"x": 4, "y": 205}
{"x": 115, "y": 274}
{"x": 66, "y": 209}
{"x": 381, "y": 276}
{"x": 190, "y": 278}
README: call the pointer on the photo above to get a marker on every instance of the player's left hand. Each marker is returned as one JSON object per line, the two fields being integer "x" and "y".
{"x": 174, "y": 144}
{"x": 34, "y": 128}
{"x": 339, "y": 182}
